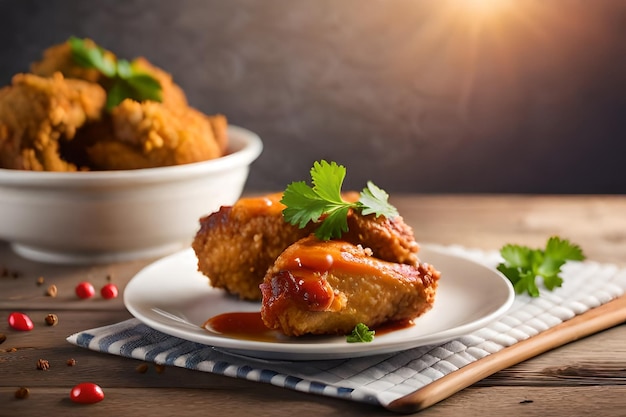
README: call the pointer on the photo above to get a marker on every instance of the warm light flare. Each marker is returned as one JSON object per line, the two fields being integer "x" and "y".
{"x": 484, "y": 8}
{"x": 488, "y": 38}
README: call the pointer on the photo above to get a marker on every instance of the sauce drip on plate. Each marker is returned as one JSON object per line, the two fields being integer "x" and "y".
{"x": 250, "y": 326}
{"x": 242, "y": 325}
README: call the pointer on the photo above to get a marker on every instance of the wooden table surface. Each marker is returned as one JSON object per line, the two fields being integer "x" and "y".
{"x": 587, "y": 377}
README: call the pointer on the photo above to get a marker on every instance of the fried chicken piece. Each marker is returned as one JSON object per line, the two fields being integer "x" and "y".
{"x": 237, "y": 244}
{"x": 58, "y": 58}
{"x": 389, "y": 239}
{"x": 173, "y": 96}
{"x": 328, "y": 287}
{"x": 39, "y": 115}
{"x": 148, "y": 134}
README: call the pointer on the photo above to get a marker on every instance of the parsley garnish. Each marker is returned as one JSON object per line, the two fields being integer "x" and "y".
{"x": 127, "y": 81}
{"x": 360, "y": 334}
{"x": 308, "y": 204}
{"x": 522, "y": 265}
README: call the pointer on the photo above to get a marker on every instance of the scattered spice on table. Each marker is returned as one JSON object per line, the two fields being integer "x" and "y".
{"x": 52, "y": 291}
{"x": 52, "y": 319}
{"x": 20, "y": 321}
{"x": 22, "y": 393}
{"x": 43, "y": 364}
{"x": 86, "y": 393}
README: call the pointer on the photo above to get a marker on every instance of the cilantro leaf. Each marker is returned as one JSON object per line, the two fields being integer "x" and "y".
{"x": 523, "y": 265}
{"x": 303, "y": 204}
{"x": 360, "y": 334}
{"x": 324, "y": 203}
{"x": 557, "y": 248}
{"x": 327, "y": 180}
{"x": 375, "y": 201}
{"x": 335, "y": 224}
{"x": 516, "y": 256}
{"x": 145, "y": 86}
{"x": 127, "y": 81}
{"x": 91, "y": 56}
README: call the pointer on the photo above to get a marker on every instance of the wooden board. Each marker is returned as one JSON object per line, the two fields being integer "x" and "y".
{"x": 590, "y": 322}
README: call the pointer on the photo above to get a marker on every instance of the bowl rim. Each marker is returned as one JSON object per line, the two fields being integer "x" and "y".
{"x": 244, "y": 147}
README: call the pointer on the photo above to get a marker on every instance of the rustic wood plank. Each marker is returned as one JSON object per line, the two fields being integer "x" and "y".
{"x": 252, "y": 400}
{"x": 596, "y": 360}
{"x": 532, "y": 402}
{"x": 597, "y": 223}
{"x": 244, "y": 400}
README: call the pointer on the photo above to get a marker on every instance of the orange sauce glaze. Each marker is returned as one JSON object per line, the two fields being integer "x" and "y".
{"x": 266, "y": 204}
{"x": 250, "y": 326}
{"x": 303, "y": 278}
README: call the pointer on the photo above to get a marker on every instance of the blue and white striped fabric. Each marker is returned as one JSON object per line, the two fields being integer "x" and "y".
{"x": 377, "y": 379}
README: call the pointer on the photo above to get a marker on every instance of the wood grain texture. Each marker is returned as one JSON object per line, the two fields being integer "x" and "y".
{"x": 586, "y": 377}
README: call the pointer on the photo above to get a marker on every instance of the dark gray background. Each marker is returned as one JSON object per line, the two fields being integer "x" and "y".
{"x": 418, "y": 96}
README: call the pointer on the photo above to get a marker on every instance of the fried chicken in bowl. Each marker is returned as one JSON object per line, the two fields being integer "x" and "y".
{"x": 104, "y": 216}
{"x": 103, "y": 159}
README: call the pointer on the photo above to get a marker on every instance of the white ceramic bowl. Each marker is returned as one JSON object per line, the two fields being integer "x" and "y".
{"x": 109, "y": 216}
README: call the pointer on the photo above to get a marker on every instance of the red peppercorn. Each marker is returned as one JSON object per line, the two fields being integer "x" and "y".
{"x": 20, "y": 321}
{"x": 85, "y": 290}
{"x": 86, "y": 393}
{"x": 109, "y": 291}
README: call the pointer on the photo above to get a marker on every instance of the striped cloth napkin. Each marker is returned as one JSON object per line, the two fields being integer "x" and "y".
{"x": 384, "y": 378}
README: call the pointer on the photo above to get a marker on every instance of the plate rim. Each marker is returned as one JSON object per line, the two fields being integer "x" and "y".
{"x": 313, "y": 351}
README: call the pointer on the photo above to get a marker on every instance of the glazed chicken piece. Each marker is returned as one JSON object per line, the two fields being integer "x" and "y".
{"x": 237, "y": 244}
{"x": 317, "y": 287}
{"x": 149, "y": 134}
{"x": 39, "y": 116}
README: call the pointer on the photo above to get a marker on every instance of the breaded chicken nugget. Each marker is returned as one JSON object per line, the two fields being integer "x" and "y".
{"x": 328, "y": 287}
{"x": 236, "y": 244}
{"x": 38, "y": 114}
{"x": 149, "y": 134}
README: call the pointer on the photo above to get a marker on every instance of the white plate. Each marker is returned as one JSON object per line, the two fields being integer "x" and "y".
{"x": 171, "y": 296}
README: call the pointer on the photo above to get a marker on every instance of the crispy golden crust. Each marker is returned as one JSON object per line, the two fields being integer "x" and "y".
{"x": 237, "y": 244}
{"x": 37, "y": 115}
{"x": 58, "y": 58}
{"x": 317, "y": 287}
{"x": 149, "y": 134}
{"x": 173, "y": 96}
{"x": 389, "y": 239}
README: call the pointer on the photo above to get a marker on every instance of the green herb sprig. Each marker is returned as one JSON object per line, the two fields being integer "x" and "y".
{"x": 127, "y": 80}
{"x": 306, "y": 204}
{"x": 523, "y": 265}
{"x": 361, "y": 334}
